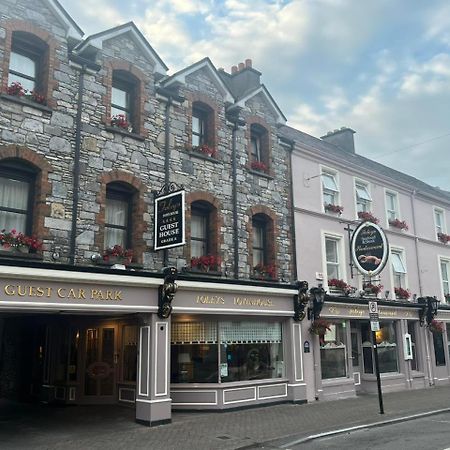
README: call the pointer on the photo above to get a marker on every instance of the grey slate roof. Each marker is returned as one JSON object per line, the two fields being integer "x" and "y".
{"x": 363, "y": 162}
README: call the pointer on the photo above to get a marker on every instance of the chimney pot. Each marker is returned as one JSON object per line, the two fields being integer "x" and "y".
{"x": 234, "y": 69}
{"x": 248, "y": 63}
{"x": 241, "y": 66}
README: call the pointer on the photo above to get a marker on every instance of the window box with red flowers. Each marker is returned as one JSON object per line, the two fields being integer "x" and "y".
{"x": 259, "y": 166}
{"x": 12, "y": 241}
{"x": 337, "y": 286}
{"x": 205, "y": 150}
{"x": 400, "y": 224}
{"x": 206, "y": 263}
{"x": 265, "y": 272}
{"x": 320, "y": 327}
{"x": 436, "y": 327}
{"x": 15, "y": 89}
{"x": 372, "y": 289}
{"x": 444, "y": 238}
{"x": 402, "y": 294}
{"x": 118, "y": 255}
{"x": 120, "y": 121}
{"x": 367, "y": 216}
{"x": 330, "y": 207}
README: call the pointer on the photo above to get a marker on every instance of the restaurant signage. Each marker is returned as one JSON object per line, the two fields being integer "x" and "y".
{"x": 169, "y": 220}
{"x": 369, "y": 249}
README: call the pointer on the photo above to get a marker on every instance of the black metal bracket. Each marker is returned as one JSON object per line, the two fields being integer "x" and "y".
{"x": 166, "y": 292}
{"x": 300, "y": 301}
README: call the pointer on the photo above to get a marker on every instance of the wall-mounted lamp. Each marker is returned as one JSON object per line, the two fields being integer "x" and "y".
{"x": 166, "y": 292}
{"x": 318, "y": 297}
{"x": 300, "y": 301}
{"x": 428, "y": 310}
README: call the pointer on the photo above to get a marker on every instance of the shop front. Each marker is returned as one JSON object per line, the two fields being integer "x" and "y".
{"x": 235, "y": 345}
{"x": 344, "y": 349}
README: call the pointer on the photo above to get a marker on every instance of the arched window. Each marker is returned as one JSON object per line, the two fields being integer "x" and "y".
{"x": 118, "y": 215}
{"x": 17, "y": 180}
{"x": 28, "y": 62}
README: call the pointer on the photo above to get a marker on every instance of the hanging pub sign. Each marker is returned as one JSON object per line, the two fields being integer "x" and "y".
{"x": 369, "y": 248}
{"x": 169, "y": 220}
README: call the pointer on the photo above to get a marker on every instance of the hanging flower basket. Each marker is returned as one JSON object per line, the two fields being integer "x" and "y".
{"x": 436, "y": 327}
{"x": 367, "y": 216}
{"x": 319, "y": 327}
{"x": 372, "y": 288}
{"x": 400, "y": 224}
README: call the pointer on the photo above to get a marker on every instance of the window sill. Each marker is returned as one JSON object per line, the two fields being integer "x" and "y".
{"x": 260, "y": 173}
{"x": 131, "y": 266}
{"x": 268, "y": 280}
{"x": 19, "y": 255}
{"x": 209, "y": 273}
{"x": 24, "y": 102}
{"x": 123, "y": 132}
{"x": 203, "y": 157}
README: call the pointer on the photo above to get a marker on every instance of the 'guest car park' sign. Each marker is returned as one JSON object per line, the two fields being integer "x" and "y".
{"x": 169, "y": 220}
{"x": 370, "y": 249}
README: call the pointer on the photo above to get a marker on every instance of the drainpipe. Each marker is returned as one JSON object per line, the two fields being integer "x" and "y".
{"x": 76, "y": 166}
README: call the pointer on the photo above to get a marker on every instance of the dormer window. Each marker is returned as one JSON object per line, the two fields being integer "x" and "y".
{"x": 124, "y": 101}
{"x": 202, "y": 129}
{"x": 259, "y": 148}
{"x": 199, "y": 127}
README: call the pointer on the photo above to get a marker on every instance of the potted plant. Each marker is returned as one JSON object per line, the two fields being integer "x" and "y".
{"x": 330, "y": 207}
{"x": 205, "y": 263}
{"x": 400, "y": 224}
{"x": 319, "y": 327}
{"x": 401, "y": 293}
{"x": 258, "y": 166}
{"x": 265, "y": 272}
{"x": 444, "y": 238}
{"x": 436, "y": 327}
{"x": 367, "y": 216}
{"x": 118, "y": 255}
{"x": 206, "y": 150}
{"x": 14, "y": 241}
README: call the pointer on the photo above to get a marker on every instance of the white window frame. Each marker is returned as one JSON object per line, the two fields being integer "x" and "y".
{"x": 342, "y": 257}
{"x": 366, "y": 186}
{"x": 401, "y": 252}
{"x": 444, "y": 260}
{"x": 334, "y": 175}
{"x": 443, "y": 228}
{"x": 396, "y": 209}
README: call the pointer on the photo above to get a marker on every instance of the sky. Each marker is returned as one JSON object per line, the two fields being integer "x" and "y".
{"x": 380, "y": 67}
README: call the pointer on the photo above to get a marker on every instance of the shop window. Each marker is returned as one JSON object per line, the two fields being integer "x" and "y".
{"x": 119, "y": 201}
{"x": 439, "y": 350}
{"x": 332, "y": 258}
{"x": 333, "y": 351}
{"x": 125, "y": 101}
{"x": 248, "y": 351}
{"x": 129, "y": 352}
{"x": 412, "y": 326}
{"x": 398, "y": 269}
{"x": 445, "y": 276}
{"x": 259, "y": 148}
{"x": 27, "y": 62}
{"x": 363, "y": 198}
{"x": 392, "y": 206}
{"x": 16, "y": 196}
{"x": 330, "y": 189}
{"x": 387, "y": 347}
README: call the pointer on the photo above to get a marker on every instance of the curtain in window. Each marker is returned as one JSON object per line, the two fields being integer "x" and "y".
{"x": 199, "y": 236}
{"x": 13, "y": 194}
{"x": 116, "y": 222}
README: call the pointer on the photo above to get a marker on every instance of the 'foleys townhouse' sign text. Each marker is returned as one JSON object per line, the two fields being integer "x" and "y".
{"x": 256, "y": 302}
{"x": 369, "y": 249}
{"x": 169, "y": 220}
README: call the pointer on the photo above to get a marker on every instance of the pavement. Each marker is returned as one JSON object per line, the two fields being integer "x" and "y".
{"x": 34, "y": 426}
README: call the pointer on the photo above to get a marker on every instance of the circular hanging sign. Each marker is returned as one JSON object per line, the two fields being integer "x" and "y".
{"x": 370, "y": 249}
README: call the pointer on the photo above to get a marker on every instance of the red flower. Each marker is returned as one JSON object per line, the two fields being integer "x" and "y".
{"x": 206, "y": 150}
{"x": 436, "y": 326}
{"x": 367, "y": 216}
{"x": 397, "y": 223}
{"x": 402, "y": 293}
{"x": 444, "y": 238}
{"x": 14, "y": 239}
{"x": 15, "y": 88}
{"x": 118, "y": 252}
{"x": 373, "y": 288}
{"x": 265, "y": 272}
{"x": 334, "y": 208}
{"x": 259, "y": 165}
{"x": 339, "y": 284}
{"x": 120, "y": 121}
{"x": 205, "y": 262}
{"x": 320, "y": 326}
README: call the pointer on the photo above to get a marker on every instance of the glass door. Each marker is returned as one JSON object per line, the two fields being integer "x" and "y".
{"x": 356, "y": 355}
{"x": 100, "y": 364}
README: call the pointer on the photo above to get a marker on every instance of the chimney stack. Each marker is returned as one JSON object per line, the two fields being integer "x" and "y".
{"x": 234, "y": 69}
{"x": 342, "y": 138}
{"x": 248, "y": 63}
{"x": 241, "y": 66}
